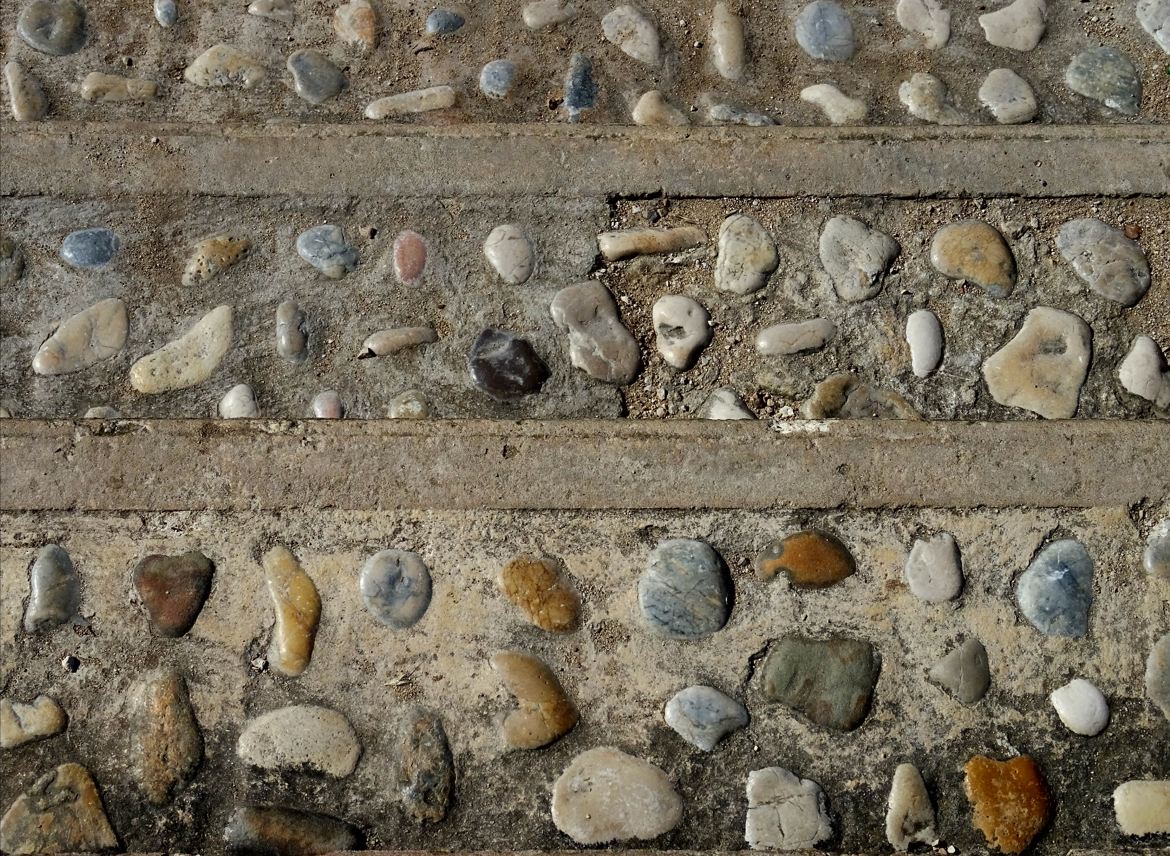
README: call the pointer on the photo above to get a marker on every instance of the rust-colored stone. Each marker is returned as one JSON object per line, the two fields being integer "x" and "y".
{"x": 536, "y": 586}
{"x": 410, "y": 256}
{"x": 543, "y": 712}
{"x": 812, "y": 559}
{"x": 1010, "y": 799}
{"x": 166, "y": 743}
{"x": 173, "y": 590}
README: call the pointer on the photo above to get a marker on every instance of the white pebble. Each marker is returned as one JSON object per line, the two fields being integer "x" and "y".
{"x": 838, "y": 107}
{"x": 1017, "y": 27}
{"x": 634, "y": 33}
{"x": 547, "y": 13}
{"x": 934, "y": 571}
{"x": 681, "y": 329}
{"x": 509, "y": 251}
{"x": 785, "y": 339}
{"x": 1081, "y": 707}
{"x": 1143, "y": 372}
{"x": 418, "y": 101}
{"x": 327, "y": 405}
{"x": 728, "y": 49}
{"x": 725, "y": 404}
{"x": 925, "y": 338}
{"x": 239, "y": 402}
{"x": 928, "y": 18}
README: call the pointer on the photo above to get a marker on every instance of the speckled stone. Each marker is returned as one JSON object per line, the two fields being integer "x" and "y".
{"x": 538, "y": 588}
{"x": 274, "y": 10}
{"x": 1142, "y": 807}
{"x": 301, "y": 737}
{"x": 166, "y": 13}
{"x": 115, "y": 88}
{"x": 580, "y": 87}
{"x": 61, "y": 812}
{"x": 703, "y": 716}
{"x": 1113, "y": 265}
{"x": 356, "y": 24}
{"x": 924, "y": 335}
{"x": 1154, "y": 16}
{"x": 828, "y": 681}
{"x": 785, "y": 812}
{"x": 685, "y": 591}
{"x": 173, "y": 590}
{"x": 292, "y": 342}
{"x": 1144, "y": 372}
{"x": 55, "y": 590}
{"x": 811, "y": 559}
{"x": 505, "y": 366}
{"x": 21, "y": 723}
{"x": 1010, "y": 801}
{"x": 315, "y": 78}
{"x": 1156, "y": 557}
{"x": 297, "y": 607}
{"x": 325, "y": 248}
{"x": 746, "y": 256}
{"x": 1008, "y": 96}
{"x": 166, "y": 745}
{"x": 1081, "y": 707}
{"x": 90, "y": 249}
{"x": 410, "y": 256}
{"x": 934, "y": 571}
{"x": 396, "y": 587}
{"x": 1056, "y": 590}
{"x": 632, "y": 31}
{"x": 606, "y": 795}
{"x": 975, "y": 251}
{"x": 838, "y": 107}
{"x": 1044, "y": 365}
{"x": 728, "y": 45}
{"x": 599, "y": 344}
{"x": 239, "y": 402}
{"x": 92, "y": 335}
{"x": 274, "y": 831}
{"x": 1019, "y": 26}
{"x": 964, "y": 672}
{"x": 425, "y": 771}
{"x": 509, "y": 251}
{"x": 1158, "y": 675}
{"x": 824, "y": 32}
{"x": 409, "y": 404}
{"x": 856, "y": 257}
{"x": 442, "y": 22}
{"x": 212, "y": 256}
{"x": 26, "y": 96}
{"x": 927, "y": 18}
{"x": 910, "y": 817}
{"x": 724, "y": 404}
{"x": 925, "y": 97}
{"x": 496, "y": 78}
{"x": 54, "y": 27}
{"x": 681, "y": 329}
{"x": 543, "y": 712}
{"x": 1107, "y": 75}
{"x": 846, "y": 396}
{"x": 225, "y": 65}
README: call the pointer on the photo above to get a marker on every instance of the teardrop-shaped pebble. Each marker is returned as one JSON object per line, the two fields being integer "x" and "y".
{"x": 315, "y": 78}
{"x": 396, "y": 587}
{"x": 910, "y": 816}
{"x": 1144, "y": 372}
{"x": 410, "y": 256}
{"x": 54, "y": 27}
{"x": 188, "y": 360}
{"x": 298, "y": 610}
{"x": 55, "y": 590}
{"x": 703, "y": 716}
{"x": 212, "y": 256}
{"x": 356, "y": 24}
{"x": 291, "y": 340}
{"x": 653, "y": 109}
{"x": 632, "y": 31}
{"x": 543, "y": 712}
{"x": 325, "y": 248}
{"x": 386, "y": 342}
{"x": 90, "y": 336}
{"x": 166, "y": 745}
{"x": 26, "y": 97}
{"x": 1008, "y": 96}
{"x": 90, "y": 249}
{"x": 239, "y": 402}
{"x": 224, "y": 65}
{"x": 166, "y": 12}
{"x": 509, "y": 251}
{"x": 725, "y": 404}
{"x": 964, "y": 672}
{"x": 173, "y": 589}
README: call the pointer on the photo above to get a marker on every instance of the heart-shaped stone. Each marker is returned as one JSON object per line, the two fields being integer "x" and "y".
{"x": 173, "y": 590}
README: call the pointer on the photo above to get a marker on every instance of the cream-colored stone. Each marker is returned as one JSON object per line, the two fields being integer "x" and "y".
{"x": 653, "y": 109}
{"x": 23, "y": 723}
{"x": 386, "y": 342}
{"x": 747, "y": 255}
{"x": 606, "y": 795}
{"x": 1018, "y": 26}
{"x": 1143, "y": 807}
{"x": 728, "y": 46}
{"x": 1043, "y": 367}
{"x": 910, "y": 816}
{"x": 300, "y": 737}
{"x": 26, "y": 96}
{"x": 928, "y": 18}
{"x": 509, "y": 251}
{"x": 90, "y": 336}
{"x": 785, "y": 339}
{"x": 224, "y": 65}
{"x": 114, "y": 87}
{"x": 925, "y": 97}
{"x": 407, "y": 103}
{"x": 838, "y": 107}
{"x": 1143, "y": 372}
{"x": 298, "y": 611}
{"x": 626, "y": 243}
{"x": 188, "y": 360}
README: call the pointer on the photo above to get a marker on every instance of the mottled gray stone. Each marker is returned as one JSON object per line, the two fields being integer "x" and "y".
{"x": 685, "y": 592}
{"x": 11, "y": 262}
{"x": 703, "y": 716}
{"x": 315, "y": 78}
{"x": 540, "y": 14}
{"x": 274, "y": 831}
{"x": 442, "y": 22}
{"x": 964, "y": 672}
{"x": 55, "y": 27}
{"x": 1107, "y": 75}
{"x": 1008, "y": 97}
{"x": 910, "y": 816}
{"x": 26, "y": 96}
{"x": 828, "y": 681}
{"x": 746, "y": 255}
{"x": 1156, "y": 558}
{"x": 89, "y": 249}
{"x": 1158, "y": 674}
{"x": 925, "y": 98}
{"x": 824, "y": 31}
{"x": 1154, "y": 16}
{"x": 301, "y": 738}
{"x": 409, "y": 404}
{"x": 722, "y": 112}
{"x": 55, "y": 590}
{"x": 327, "y": 405}
{"x": 580, "y": 88}
{"x": 396, "y": 587}
{"x": 856, "y": 257}
{"x": 325, "y": 248}
{"x": 425, "y": 774}
{"x": 599, "y": 344}
{"x": 785, "y": 812}
{"x": 928, "y": 18}
{"x": 166, "y": 12}
{"x": 934, "y": 571}
{"x": 505, "y": 366}
{"x": 225, "y": 65}
{"x": 496, "y": 78}
{"x": 291, "y": 339}
{"x": 1113, "y": 265}
{"x": 1056, "y": 590}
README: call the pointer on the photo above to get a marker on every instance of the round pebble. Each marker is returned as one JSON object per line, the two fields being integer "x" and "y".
{"x": 239, "y": 402}
{"x": 55, "y": 27}
{"x": 315, "y": 78}
{"x": 496, "y": 77}
{"x": 89, "y": 249}
{"x": 824, "y": 31}
{"x": 685, "y": 592}
{"x": 166, "y": 12}
{"x": 396, "y": 587}
{"x": 410, "y": 404}
{"x": 1081, "y": 707}
{"x": 606, "y": 795}
{"x": 856, "y": 256}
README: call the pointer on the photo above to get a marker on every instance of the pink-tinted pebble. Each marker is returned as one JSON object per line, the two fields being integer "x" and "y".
{"x": 410, "y": 256}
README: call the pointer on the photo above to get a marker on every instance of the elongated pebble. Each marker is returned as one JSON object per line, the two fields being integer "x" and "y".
{"x": 115, "y": 87}
{"x": 406, "y": 103}
{"x": 90, "y": 336}
{"x": 626, "y": 243}
{"x": 213, "y": 255}
{"x": 188, "y": 360}
{"x": 54, "y": 590}
{"x": 386, "y": 342}
{"x": 795, "y": 338}
{"x": 728, "y": 47}
{"x": 924, "y": 336}
{"x": 298, "y": 610}
{"x": 275, "y": 10}
{"x": 838, "y": 107}
{"x": 26, "y": 96}
{"x": 291, "y": 340}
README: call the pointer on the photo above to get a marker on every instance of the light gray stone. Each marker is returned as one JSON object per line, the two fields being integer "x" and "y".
{"x": 239, "y": 402}
{"x": 26, "y": 97}
{"x": 856, "y": 257}
{"x": 785, "y": 812}
{"x": 1156, "y": 557}
{"x": 1113, "y": 265}
{"x": 55, "y": 590}
{"x": 1107, "y": 75}
{"x": 1056, "y": 591}
{"x": 1008, "y": 97}
{"x": 599, "y": 344}
{"x": 396, "y": 587}
{"x": 509, "y": 251}
{"x": 924, "y": 335}
{"x": 964, "y": 672}
{"x": 1144, "y": 373}
{"x": 1154, "y": 16}
{"x": 1043, "y": 367}
{"x": 653, "y": 109}
{"x": 11, "y": 262}
{"x": 681, "y": 328}
{"x": 54, "y": 27}
{"x": 838, "y": 107}
{"x": 188, "y": 360}
{"x": 166, "y": 12}
{"x": 496, "y": 78}
{"x": 747, "y": 255}
{"x": 327, "y": 405}
{"x": 409, "y": 404}
{"x": 90, "y": 336}
{"x": 301, "y": 737}
{"x": 1081, "y": 707}
{"x": 443, "y": 22}
{"x": 325, "y": 248}
{"x": 934, "y": 571}
{"x": 703, "y": 716}
{"x": 541, "y": 14}
{"x": 275, "y": 10}
{"x": 24, "y": 723}
{"x": 722, "y": 112}
{"x": 1018, "y": 26}
{"x": 824, "y": 32}
{"x": 928, "y": 18}
{"x": 795, "y": 338}
{"x": 633, "y": 32}
{"x": 685, "y": 592}
{"x": 291, "y": 340}
{"x": 909, "y": 815}
{"x": 925, "y": 97}
{"x": 725, "y": 404}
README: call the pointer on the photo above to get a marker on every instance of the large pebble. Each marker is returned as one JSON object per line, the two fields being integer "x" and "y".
{"x": 1008, "y": 96}
{"x": 634, "y": 33}
{"x": 685, "y": 591}
{"x": 1043, "y": 367}
{"x": 1017, "y": 26}
{"x": 1010, "y": 800}
{"x": 681, "y": 329}
{"x": 811, "y": 559}
{"x": 166, "y": 12}
{"x": 910, "y": 816}
{"x": 396, "y": 587}
{"x": 1107, "y": 75}
{"x": 1056, "y": 590}
{"x": 703, "y": 716}
{"x": 934, "y": 571}
{"x": 599, "y": 344}
{"x": 964, "y": 672}
{"x": 1158, "y": 675}
{"x": 538, "y": 588}
{"x": 828, "y": 681}
{"x": 409, "y": 404}
{"x": 653, "y": 109}
{"x": 166, "y": 745}
{"x": 114, "y": 87}
{"x": 385, "y": 342}
{"x": 925, "y": 97}
{"x": 425, "y": 772}
{"x": 543, "y": 712}
{"x": 26, "y": 97}
{"x": 1142, "y": 807}
{"x": 55, "y": 27}
{"x": 356, "y": 24}
{"x": 224, "y": 65}
{"x": 1113, "y": 265}
{"x": 188, "y": 360}
{"x": 856, "y": 257}
{"x": 728, "y": 46}
{"x": 1144, "y": 373}
{"x": 90, "y": 336}
{"x": 410, "y": 257}
{"x": 541, "y": 14}
{"x": 301, "y": 737}
{"x": 1081, "y": 707}
{"x": 275, "y": 10}
{"x": 315, "y": 78}
{"x": 747, "y": 255}
{"x": 1154, "y": 16}
{"x": 846, "y": 396}
{"x": 580, "y": 87}
{"x": 239, "y": 402}
{"x": 90, "y": 249}
{"x": 212, "y": 256}
{"x": 61, "y": 812}
{"x": 509, "y": 251}
{"x": 794, "y": 338}
{"x": 626, "y": 243}
{"x": 55, "y": 590}
{"x": 928, "y": 18}
{"x": 173, "y": 589}
{"x": 838, "y": 107}
{"x": 975, "y": 251}
{"x": 606, "y": 795}
{"x": 1156, "y": 557}
{"x": 417, "y": 101}
{"x": 325, "y": 248}
{"x": 291, "y": 338}
{"x": 297, "y": 607}
{"x": 924, "y": 335}
{"x": 505, "y": 366}
{"x": 496, "y": 78}
{"x": 785, "y": 812}
{"x": 275, "y": 831}
{"x": 823, "y": 31}
{"x": 24, "y": 723}
{"x": 725, "y": 404}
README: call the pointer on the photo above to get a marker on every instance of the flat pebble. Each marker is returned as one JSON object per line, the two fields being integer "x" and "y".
{"x": 838, "y": 107}
{"x": 386, "y": 342}
{"x": 11, "y": 262}
{"x": 1010, "y": 800}
{"x": 61, "y": 812}
{"x": 315, "y": 78}
{"x": 728, "y": 45}
{"x": 173, "y": 590}
{"x": 795, "y": 338}
{"x": 856, "y": 257}
{"x": 606, "y": 795}
{"x": 509, "y": 251}
{"x": 410, "y": 256}
{"x": 722, "y": 112}
{"x": 1156, "y": 557}
{"x": 543, "y": 713}
{"x": 580, "y": 87}
{"x": 396, "y": 587}
{"x": 496, "y": 78}
{"x": 824, "y": 32}
{"x": 626, "y": 243}
{"x": 1142, "y": 807}
{"x": 1154, "y": 16}
{"x": 297, "y": 607}
{"x": 166, "y": 12}
{"x": 325, "y": 248}
{"x": 785, "y": 812}
{"x": 540, "y": 14}
{"x": 442, "y": 22}
{"x": 239, "y": 402}
{"x": 275, "y": 10}
{"x": 166, "y": 745}
{"x": 846, "y": 396}
{"x": 964, "y": 672}
{"x": 934, "y": 571}
{"x": 653, "y": 109}
{"x": 291, "y": 339}
{"x": 301, "y": 737}
{"x": 975, "y": 251}
{"x": 685, "y": 591}
{"x": 1008, "y": 97}
{"x": 114, "y": 88}
{"x": 634, "y": 33}
{"x": 1158, "y": 675}
{"x": 1144, "y": 373}
{"x": 910, "y": 816}
{"x": 724, "y": 404}
{"x": 1056, "y": 590}
{"x": 55, "y": 590}
{"x": 407, "y": 103}
{"x": 925, "y": 97}
{"x": 54, "y": 27}
{"x": 505, "y": 366}
{"x": 924, "y": 335}
{"x": 1018, "y": 26}
{"x": 276, "y": 831}
{"x": 25, "y": 723}
{"x": 327, "y": 405}
{"x": 927, "y": 18}
{"x": 681, "y": 329}
{"x": 409, "y": 404}
{"x": 599, "y": 344}
{"x": 356, "y": 24}
{"x": 90, "y": 249}
{"x": 811, "y": 559}
{"x": 1081, "y": 707}
{"x": 1113, "y": 265}
{"x": 188, "y": 360}
{"x": 26, "y": 96}
{"x": 538, "y": 588}
{"x": 102, "y": 412}
{"x": 1043, "y": 367}
{"x": 747, "y": 255}
{"x": 90, "y": 336}
{"x": 425, "y": 771}
{"x": 1107, "y": 75}
{"x": 212, "y": 256}
{"x": 703, "y": 716}
{"x": 828, "y": 681}
{"x": 224, "y": 65}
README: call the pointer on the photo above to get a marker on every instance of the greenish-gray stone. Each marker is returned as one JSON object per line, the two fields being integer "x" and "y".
{"x": 828, "y": 681}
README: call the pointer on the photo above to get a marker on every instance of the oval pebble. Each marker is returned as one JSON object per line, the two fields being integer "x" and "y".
{"x": 90, "y": 336}
{"x": 291, "y": 339}
{"x": 509, "y": 251}
{"x": 54, "y": 27}
{"x": 327, "y": 405}
{"x": 26, "y": 96}
{"x": 728, "y": 46}
{"x": 224, "y": 65}
{"x": 795, "y": 338}
{"x": 90, "y": 249}
{"x": 1056, "y": 591}
{"x": 396, "y": 587}
{"x": 1107, "y": 75}
{"x": 442, "y": 22}
{"x": 924, "y": 335}
{"x": 496, "y": 77}
{"x": 166, "y": 12}
{"x": 684, "y": 592}
{"x": 1008, "y": 97}
{"x": 410, "y": 256}
{"x": 301, "y": 737}
{"x": 1081, "y": 707}
{"x": 315, "y": 78}
{"x": 824, "y": 32}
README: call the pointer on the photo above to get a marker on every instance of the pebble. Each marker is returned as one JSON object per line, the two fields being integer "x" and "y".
{"x": 166, "y": 745}
{"x": 703, "y": 716}
{"x": 239, "y": 402}
{"x": 54, "y": 27}
{"x": 410, "y": 256}
{"x": 634, "y": 33}
{"x": 811, "y": 558}
{"x": 224, "y": 65}
{"x": 301, "y": 737}
{"x": 315, "y": 78}
{"x": 724, "y": 404}
{"x": 838, "y": 107}
{"x": 410, "y": 404}
{"x": 173, "y": 589}
{"x": 327, "y": 405}
{"x": 606, "y": 795}
{"x": 626, "y": 243}
{"x": 356, "y": 24}
{"x": 23, "y": 723}
{"x": 856, "y": 257}
{"x": 964, "y": 672}
{"x": 26, "y": 96}
{"x": 276, "y": 10}
{"x": 580, "y": 87}
{"x": 166, "y": 12}
{"x": 1008, "y": 96}
{"x": 61, "y": 812}
{"x": 1107, "y": 75}
{"x": 785, "y": 339}
{"x": 785, "y": 812}
{"x": 925, "y": 97}
{"x": 90, "y": 249}
{"x": 496, "y": 78}
{"x": 297, "y": 607}
{"x": 1018, "y": 26}
{"x": 928, "y": 18}
{"x": 599, "y": 344}
{"x": 1081, "y": 707}
{"x": 924, "y": 335}
{"x": 442, "y": 22}
{"x": 682, "y": 329}
{"x": 747, "y": 255}
{"x": 386, "y": 342}
{"x": 1113, "y": 265}
{"x": 275, "y": 831}
{"x": 733, "y": 114}
{"x": 934, "y": 571}
{"x": 212, "y": 256}
{"x": 102, "y": 413}
{"x": 728, "y": 45}
{"x": 114, "y": 88}
{"x": 845, "y": 396}
{"x": 1143, "y": 372}
{"x": 1142, "y": 807}
{"x": 1010, "y": 799}
{"x": 291, "y": 339}
{"x": 823, "y": 31}
{"x": 910, "y": 816}
{"x": 1156, "y": 557}
{"x": 975, "y": 251}
{"x": 1042, "y": 368}
{"x": 1056, "y": 591}
{"x": 90, "y": 336}
{"x": 406, "y": 103}
{"x": 685, "y": 591}
{"x": 325, "y": 248}
{"x": 396, "y": 587}
{"x": 11, "y": 262}
{"x": 653, "y": 109}
{"x": 1154, "y": 16}
{"x": 425, "y": 772}
{"x": 829, "y": 681}
{"x": 509, "y": 251}
{"x": 547, "y": 13}
{"x": 54, "y": 590}
{"x": 1158, "y": 675}
{"x": 505, "y": 366}
{"x": 543, "y": 712}
{"x": 538, "y": 588}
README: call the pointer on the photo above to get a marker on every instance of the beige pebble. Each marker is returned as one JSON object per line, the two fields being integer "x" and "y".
{"x": 838, "y": 107}
{"x": 928, "y": 18}
{"x": 405, "y": 103}
{"x": 26, "y": 97}
{"x": 728, "y": 47}
{"x": 188, "y": 360}
{"x": 90, "y": 336}
{"x": 224, "y": 65}
{"x": 540, "y": 14}
{"x": 652, "y": 109}
{"x": 166, "y": 743}
{"x": 23, "y": 723}
{"x": 623, "y": 244}
{"x": 356, "y": 23}
{"x": 1044, "y": 365}
{"x": 975, "y": 251}
{"x": 785, "y": 339}
{"x": 925, "y": 97}
{"x": 747, "y": 255}
{"x": 543, "y": 712}
{"x": 212, "y": 256}
{"x": 113, "y": 87}
{"x": 386, "y": 342}
{"x": 298, "y": 610}
{"x": 1142, "y": 807}
{"x": 606, "y": 795}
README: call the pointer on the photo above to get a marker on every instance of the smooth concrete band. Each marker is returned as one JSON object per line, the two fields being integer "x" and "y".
{"x": 75, "y": 159}
{"x": 254, "y": 465}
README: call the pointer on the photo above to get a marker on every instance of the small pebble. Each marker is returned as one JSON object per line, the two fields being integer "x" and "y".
{"x": 356, "y": 24}
{"x": 173, "y": 589}
{"x": 1142, "y": 807}
{"x": 925, "y": 97}
{"x": 1081, "y": 707}
{"x": 838, "y": 107}
{"x": 224, "y": 65}
{"x": 1018, "y": 26}
{"x": 910, "y": 816}
{"x": 166, "y": 12}
{"x": 166, "y": 745}
{"x": 1113, "y": 265}
{"x": 327, "y": 405}
{"x": 856, "y": 257}
{"x": 276, "y": 10}
{"x": 606, "y": 795}
{"x": 547, "y": 13}
{"x": 785, "y": 812}
{"x": 1154, "y": 16}
{"x": 580, "y": 87}
{"x": 1144, "y": 373}
{"x": 728, "y": 45}
{"x": 212, "y": 256}
{"x": 54, "y": 27}
{"x": 410, "y": 404}
{"x": 1043, "y": 367}
{"x": 90, "y": 336}
{"x": 795, "y": 338}
{"x": 703, "y": 716}
{"x": 934, "y": 571}
{"x": 396, "y": 587}
{"x": 1158, "y": 675}
{"x": 685, "y": 591}
{"x": 975, "y": 251}
{"x": 54, "y": 590}
{"x": 276, "y": 831}
{"x": 1056, "y": 590}
{"x": 964, "y": 672}
{"x": 928, "y": 18}
{"x": 90, "y": 249}
{"x": 60, "y": 812}
{"x": 746, "y": 257}
{"x": 539, "y": 589}
{"x": 24, "y": 723}
{"x": 425, "y": 771}
{"x": 26, "y": 97}
{"x": 11, "y": 262}
{"x": 626, "y": 243}
{"x": 410, "y": 257}
{"x": 828, "y": 681}
{"x": 407, "y": 103}
{"x": 297, "y": 607}
{"x": 1107, "y": 75}
{"x": 599, "y": 344}
{"x": 298, "y": 738}
{"x": 812, "y": 559}
{"x": 543, "y": 712}
{"x": 509, "y": 251}
{"x": 653, "y": 109}
{"x": 1008, "y": 96}
{"x": 724, "y": 404}
{"x": 315, "y": 78}
{"x": 325, "y": 248}
{"x": 824, "y": 32}
{"x": 496, "y": 78}
{"x": 634, "y": 33}
{"x": 1156, "y": 558}
{"x": 114, "y": 88}
{"x": 291, "y": 338}
{"x": 924, "y": 335}
{"x": 845, "y": 396}
{"x": 720, "y": 112}
{"x": 102, "y": 412}
{"x": 681, "y": 328}
{"x": 239, "y": 402}
{"x": 1010, "y": 799}
{"x": 442, "y": 22}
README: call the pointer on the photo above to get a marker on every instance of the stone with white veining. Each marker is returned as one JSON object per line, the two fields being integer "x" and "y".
{"x": 795, "y": 338}
{"x": 188, "y": 360}
{"x": 326, "y": 249}
{"x": 924, "y": 335}
{"x": 509, "y": 251}
{"x": 90, "y": 336}
{"x": 934, "y": 570}
{"x": 964, "y": 672}
{"x": 239, "y": 402}
{"x": 703, "y": 716}
{"x": 685, "y": 591}
{"x": 824, "y": 31}
{"x": 856, "y": 257}
{"x": 407, "y": 103}
{"x": 225, "y": 65}
{"x": 633, "y": 32}
{"x": 838, "y": 107}
{"x": 22, "y": 723}
{"x": 1043, "y": 367}
{"x": 929, "y": 18}
{"x": 26, "y": 96}
{"x": 166, "y": 12}
{"x": 681, "y": 328}
{"x": 785, "y": 812}
{"x": 747, "y": 255}
{"x": 925, "y": 97}
{"x": 1055, "y": 593}
{"x": 301, "y": 737}
{"x": 1008, "y": 97}
{"x": 1081, "y": 707}
{"x": 1112, "y": 264}
{"x": 728, "y": 46}
{"x": 1018, "y": 26}
{"x": 910, "y": 816}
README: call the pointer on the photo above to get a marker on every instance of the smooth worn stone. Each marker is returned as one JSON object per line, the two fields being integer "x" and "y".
{"x": 838, "y": 107}
{"x": 829, "y": 681}
{"x": 410, "y": 256}
{"x": 909, "y": 816}
{"x": 1018, "y": 26}
{"x": 965, "y": 672}
{"x": 291, "y": 339}
{"x": 811, "y": 559}
{"x": 166, "y": 745}
{"x": 496, "y": 78}
{"x": 934, "y": 571}
{"x": 1158, "y": 674}
{"x": 1156, "y": 557}
{"x": 728, "y": 45}
{"x": 89, "y": 249}
{"x": 173, "y": 589}
{"x": 315, "y": 78}
{"x": 114, "y": 87}
{"x": 846, "y": 396}
{"x": 1154, "y": 16}
{"x": 599, "y": 344}
{"x": 856, "y": 257}
{"x": 685, "y": 591}
{"x": 539, "y": 589}
{"x": 272, "y": 831}
{"x": 1008, "y": 96}
{"x": 823, "y": 31}
{"x": 102, "y": 412}
{"x": 1144, "y": 373}
{"x": 224, "y": 65}
{"x": 975, "y": 251}
{"x": 356, "y": 24}
{"x": 1113, "y": 265}
{"x": 1107, "y": 75}
{"x": 543, "y": 712}
{"x": 327, "y": 405}
{"x": 626, "y": 243}
{"x": 396, "y": 587}
{"x": 61, "y": 812}
{"x": 425, "y": 773}
{"x": 634, "y": 33}
{"x": 406, "y": 103}
{"x": 724, "y": 404}
{"x": 928, "y": 18}
{"x": 23, "y": 723}
{"x": 580, "y": 87}
{"x": 721, "y": 112}
{"x": 297, "y": 607}
{"x": 1142, "y": 807}
{"x": 795, "y": 338}
{"x": 1081, "y": 707}
{"x": 90, "y": 336}
{"x": 239, "y": 402}
{"x": 1044, "y": 365}
{"x": 540, "y": 14}
{"x": 747, "y": 255}
{"x": 54, "y": 590}
{"x": 509, "y": 251}
{"x": 386, "y": 342}
{"x": 166, "y": 12}
{"x": 606, "y": 795}
{"x": 785, "y": 812}
{"x": 26, "y": 96}
{"x": 54, "y": 27}
{"x": 653, "y": 109}
{"x": 276, "y": 10}
{"x": 682, "y": 328}
{"x": 1010, "y": 801}
{"x": 325, "y": 248}
{"x": 442, "y": 22}
{"x": 505, "y": 366}
{"x": 11, "y": 262}
{"x": 924, "y": 335}
{"x": 301, "y": 738}
{"x": 1056, "y": 591}
{"x": 703, "y": 716}
{"x": 925, "y": 97}
{"x": 409, "y": 404}
{"x": 212, "y": 256}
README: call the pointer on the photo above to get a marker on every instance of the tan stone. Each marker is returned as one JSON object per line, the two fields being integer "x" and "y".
{"x": 386, "y": 342}
{"x": 212, "y": 256}
{"x": 26, "y": 97}
{"x": 356, "y": 23}
{"x": 728, "y": 46}
{"x": 166, "y": 743}
{"x": 1044, "y": 365}
{"x": 24, "y": 723}
{"x": 224, "y": 65}
{"x": 626, "y": 243}
{"x": 606, "y": 795}
{"x": 1010, "y": 799}
{"x": 846, "y": 396}
{"x": 188, "y": 360}
{"x": 653, "y": 109}
{"x": 92, "y": 335}
{"x": 298, "y": 610}
{"x": 975, "y": 251}
{"x": 543, "y": 712}
{"x": 1142, "y": 807}
{"x": 536, "y": 586}
{"x": 811, "y": 559}
{"x": 406, "y": 103}
{"x": 114, "y": 87}
{"x": 61, "y": 813}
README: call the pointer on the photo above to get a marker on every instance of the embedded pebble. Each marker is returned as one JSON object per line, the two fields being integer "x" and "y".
{"x": 1010, "y": 800}
{"x": 173, "y": 589}
{"x": 625, "y": 243}
{"x": 276, "y": 10}
{"x": 410, "y": 256}
{"x": 1142, "y": 807}
{"x": 396, "y": 587}
{"x": 838, "y": 107}
{"x": 634, "y": 33}
{"x": 505, "y": 366}
{"x": 1042, "y": 368}
{"x": 89, "y": 249}
{"x": 925, "y": 97}
{"x": 1113, "y": 265}
{"x": 1008, "y": 96}
{"x": 406, "y": 103}
{"x": 1144, "y": 373}
{"x": 537, "y": 587}
{"x": 166, "y": 12}
{"x": 928, "y": 18}
{"x": 580, "y": 87}
{"x": 547, "y": 13}
{"x": 23, "y": 723}
{"x": 386, "y": 342}
{"x": 442, "y": 22}
{"x": 653, "y": 109}
{"x": 356, "y": 24}
{"x": 599, "y": 344}
{"x": 275, "y": 831}
{"x": 606, "y": 795}
{"x": 410, "y": 404}
{"x": 301, "y": 737}
{"x": 823, "y": 31}
{"x": 785, "y": 339}
{"x": 934, "y": 571}
{"x": 212, "y": 256}
{"x": 224, "y": 65}
{"x": 975, "y": 251}
{"x": 747, "y": 255}
{"x": 924, "y": 335}
{"x": 315, "y": 78}
{"x": 1018, "y": 26}
{"x": 509, "y": 251}
{"x": 11, "y": 262}
{"x": 811, "y": 559}
{"x": 325, "y": 248}
{"x": 1081, "y": 707}
{"x": 102, "y": 412}
{"x": 909, "y": 815}
{"x": 828, "y": 681}
{"x": 703, "y": 716}
{"x": 61, "y": 812}
{"x": 543, "y": 712}
{"x": 964, "y": 672}
{"x": 166, "y": 745}
{"x": 1158, "y": 674}
{"x": 1156, "y": 557}
{"x": 1107, "y": 75}
{"x": 845, "y": 396}
{"x": 291, "y": 339}
{"x": 114, "y": 87}
{"x": 1154, "y": 16}
{"x": 856, "y": 257}
{"x": 297, "y": 607}
{"x": 90, "y": 336}
{"x": 55, "y": 590}
{"x": 54, "y": 27}
{"x": 733, "y": 114}
{"x": 26, "y": 96}
{"x": 496, "y": 78}
{"x": 1056, "y": 590}
{"x": 681, "y": 329}
{"x": 785, "y": 812}
{"x": 725, "y": 404}
{"x": 728, "y": 46}
{"x": 685, "y": 591}
{"x": 327, "y": 405}
{"x": 239, "y": 402}
{"x": 425, "y": 772}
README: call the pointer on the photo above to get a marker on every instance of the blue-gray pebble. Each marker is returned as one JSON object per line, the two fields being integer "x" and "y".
{"x": 824, "y": 31}
{"x": 55, "y": 590}
{"x": 495, "y": 80}
{"x": 166, "y": 12}
{"x": 396, "y": 587}
{"x": 325, "y": 248}
{"x": 703, "y": 716}
{"x": 90, "y": 248}
{"x": 580, "y": 89}
{"x": 1107, "y": 75}
{"x": 684, "y": 592}
{"x": 55, "y": 27}
{"x": 443, "y": 21}
{"x": 1056, "y": 591}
